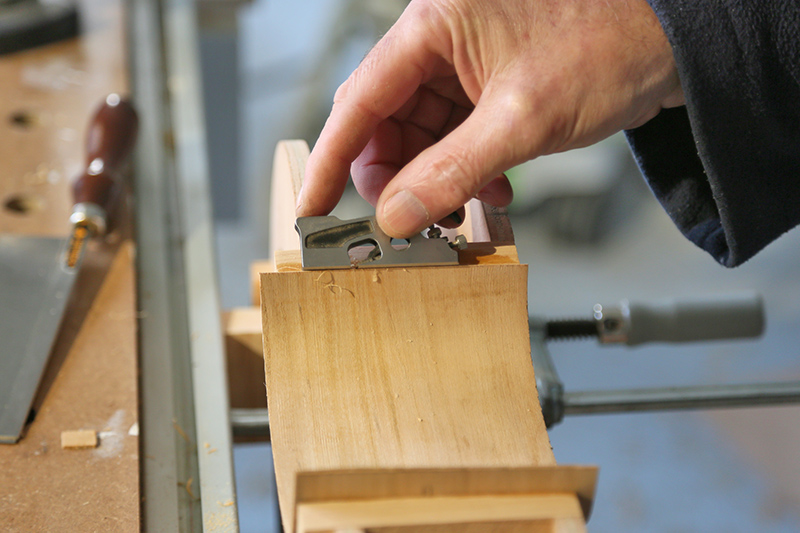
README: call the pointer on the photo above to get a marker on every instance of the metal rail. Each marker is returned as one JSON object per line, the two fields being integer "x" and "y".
{"x": 207, "y": 347}
{"x": 183, "y": 393}
{"x": 673, "y": 398}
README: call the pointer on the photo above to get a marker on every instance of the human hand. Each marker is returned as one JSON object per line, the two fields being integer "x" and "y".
{"x": 457, "y": 92}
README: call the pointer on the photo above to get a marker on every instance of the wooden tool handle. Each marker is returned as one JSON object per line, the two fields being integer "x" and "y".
{"x": 109, "y": 141}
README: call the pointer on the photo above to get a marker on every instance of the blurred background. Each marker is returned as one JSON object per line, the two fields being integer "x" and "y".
{"x": 591, "y": 232}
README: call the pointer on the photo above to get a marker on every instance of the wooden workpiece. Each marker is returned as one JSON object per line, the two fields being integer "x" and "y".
{"x": 243, "y": 353}
{"x": 373, "y": 372}
{"x": 48, "y": 95}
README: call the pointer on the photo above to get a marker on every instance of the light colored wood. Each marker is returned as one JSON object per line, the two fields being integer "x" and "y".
{"x": 243, "y": 324}
{"x": 289, "y": 162}
{"x": 346, "y": 485}
{"x": 256, "y": 268}
{"x": 510, "y": 526}
{"x": 488, "y": 511}
{"x": 404, "y": 372}
{"x": 562, "y": 525}
{"x": 91, "y": 379}
{"x": 244, "y": 357}
{"x": 79, "y": 438}
{"x": 288, "y": 261}
{"x": 389, "y": 368}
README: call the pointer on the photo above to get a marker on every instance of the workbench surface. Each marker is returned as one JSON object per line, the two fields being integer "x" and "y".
{"x": 46, "y": 98}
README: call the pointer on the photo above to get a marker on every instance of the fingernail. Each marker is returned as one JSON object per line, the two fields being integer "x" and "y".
{"x": 298, "y": 206}
{"x": 404, "y": 214}
{"x": 487, "y": 197}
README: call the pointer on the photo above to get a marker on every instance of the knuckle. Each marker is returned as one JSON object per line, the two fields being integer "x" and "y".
{"x": 454, "y": 178}
{"x": 341, "y": 92}
{"x": 537, "y": 118}
{"x": 422, "y": 13}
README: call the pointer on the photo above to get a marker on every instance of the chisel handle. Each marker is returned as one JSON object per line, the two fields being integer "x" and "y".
{"x": 109, "y": 141}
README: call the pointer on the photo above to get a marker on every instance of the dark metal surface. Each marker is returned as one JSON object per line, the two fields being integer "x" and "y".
{"x": 183, "y": 392}
{"x": 250, "y": 422}
{"x": 34, "y": 288}
{"x": 326, "y": 243}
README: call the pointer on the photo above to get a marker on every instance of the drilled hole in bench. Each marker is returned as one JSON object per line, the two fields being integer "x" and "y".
{"x": 22, "y": 119}
{"x": 22, "y": 204}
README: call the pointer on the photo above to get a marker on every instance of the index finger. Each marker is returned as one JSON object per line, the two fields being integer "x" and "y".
{"x": 389, "y": 75}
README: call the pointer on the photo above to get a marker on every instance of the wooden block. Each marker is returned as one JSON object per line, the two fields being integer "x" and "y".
{"x": 392, "y": 391}
{"x": 289, "y": 163}
{"x": 348, "y": 485}
{"x": 256, "y": 268}
{"x": 390, "y": 368}
{"x": 81, "y": 438}
{"x": 562, "y": 525}
{"x": 244, "y": 359}
{"x": 484, "y": 513}
{"x": 243, "y": 324}
{"x": 288, "y": 261}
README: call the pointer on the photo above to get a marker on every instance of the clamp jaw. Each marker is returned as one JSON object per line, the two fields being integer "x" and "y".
{"x": 727, "y": 317}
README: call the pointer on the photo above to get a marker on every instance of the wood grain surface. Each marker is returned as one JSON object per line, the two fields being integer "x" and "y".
{"x": 290, "y": 162}
{"x": 348, "y": 485}
{"x": 244, "y": 357}
{"x": 390, "y": 368}
{"x": 416, "y": 515}
{"x": 48, "y": 95}
{"x": 412, "y": 383}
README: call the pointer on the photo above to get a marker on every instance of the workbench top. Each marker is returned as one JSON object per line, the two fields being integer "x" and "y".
{"x": 46, "y": 98}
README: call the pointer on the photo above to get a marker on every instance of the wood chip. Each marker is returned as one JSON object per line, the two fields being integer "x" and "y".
{"x": 81, "y": 438}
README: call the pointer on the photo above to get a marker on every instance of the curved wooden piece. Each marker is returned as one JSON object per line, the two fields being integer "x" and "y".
{"x": 395, "y": 368}
{"x": 288, "y": 169}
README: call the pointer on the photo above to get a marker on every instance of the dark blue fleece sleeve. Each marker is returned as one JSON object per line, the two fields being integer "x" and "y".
{"x": 726, "y": 167}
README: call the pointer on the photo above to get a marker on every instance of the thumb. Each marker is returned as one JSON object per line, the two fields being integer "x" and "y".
{"x": 449, "y": 173}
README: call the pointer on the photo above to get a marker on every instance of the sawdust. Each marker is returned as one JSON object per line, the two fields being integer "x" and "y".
{"x": 112, "y": 436}
{"x": 326, "y": 280}
{"x": 188, "y": 488}
{"x": 180, "y": 430}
